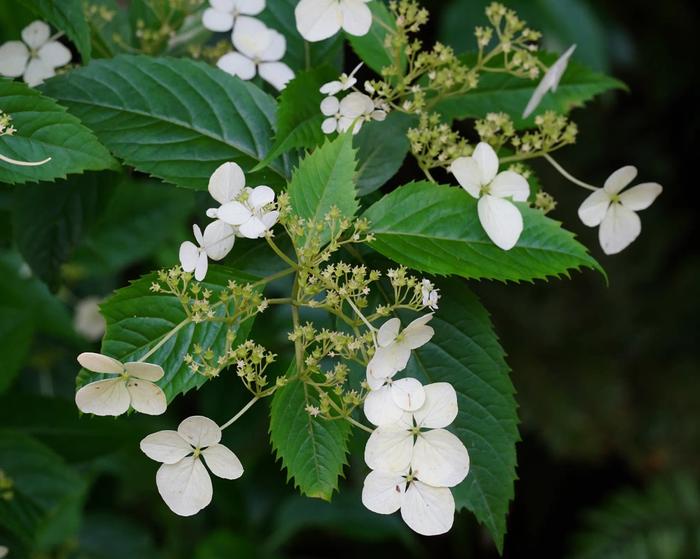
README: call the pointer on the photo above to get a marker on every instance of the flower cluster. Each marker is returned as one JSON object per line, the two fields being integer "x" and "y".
{"x": 258, "y": 48}
{"x": 6, "y": 127}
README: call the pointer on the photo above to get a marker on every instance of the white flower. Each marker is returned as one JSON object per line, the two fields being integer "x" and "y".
{"x": 394, "y": 347}
{"x": 223, "y": 13}
{"x": 260, "y": 50}
{"x": 549, "y": 82}
{"x": 35, "y": 59}
{"x": 415, "y": 462}
{"x": 216, "y": 242}
{"x": 320, "y": 19}
{"x": 615, "y": 211}
{"x": 88, "y": 321}
{"x": 430, "y": 294}
{"x": 355, "y": 108}
{"x": 3, "y": 551}
{"x": 343, "y": 83}
{"x": 479, "y": 176}
{"x": 133, "y": 386}
{"x": 388, "y": 399}
{"x": 182, "y": 480}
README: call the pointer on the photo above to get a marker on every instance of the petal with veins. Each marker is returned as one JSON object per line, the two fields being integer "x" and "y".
{"x": 380, "y": 408}
{"x": 218, "y": 239}
{"x": 440, "y": 459}
{"x": 382, "y": 493}
{"x": 487, "y": 161}
{"x": 200, "y": 270}
{"x": 275, "y": 49}
{"x": 185, "y": 486}
{"x": 466, "y": 171}
{"x": 357, "y": 17}
{"x": 389, "y": 449}
{"x": 440, "y": 407}
{"x": 167, "y": 447}
{"x": 593, "y": 209}
{"x": 620, "y": 179}
{"x": 640, "y": 197}
{"x": 146, "y": 397}
{"x": 260, "y": 196}
{"x": 620, "y": 227}
{"x": 222, "y": 462}
{"x": 428, "y": 510}
{"x": 104, "y": 397}
{"x": 199, "y": 431}
{"x": 501, "y": 220}
{"x": 98, "y": 363}
{"x": 226, "y": 182}
{"x": 189, "y": 256}
{"x": 236, "y": 64}
{"x": 277, "y": 74}
{"x": 143, "y": 370}
{"x": 509, "y": 184}
{"x": 407, "y": 394}
{"x": 318, "y": 19}
{"x": 388, "y": 331}
{"x": 253, "y": 228}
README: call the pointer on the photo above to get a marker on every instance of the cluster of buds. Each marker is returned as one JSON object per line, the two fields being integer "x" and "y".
{"x": 98, "y": 14}
{"x": 251, "y": 361}
{"x": 435, "y": 144}
{"x": 6, "y": 128}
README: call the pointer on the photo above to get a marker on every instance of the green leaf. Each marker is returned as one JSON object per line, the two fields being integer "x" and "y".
{"x": 67, "y": 16}
{"x": 499, "y": 92}
{"x": 381, "y": 149}
{"x": 436, "y": 229}
{"x": 175, "y": 119}
{"x": 466, "y": 353}
{"x": 325, "y": 179}
{"x": 312, "y": 450}
{"x": 47, "y": 495}
{"x": 138, "y": 319}
{"x": 45, "y": 129}
{"x": 299, "y": 116}
{"x": 110, "y": 536}
{"x": 370, "y": 47}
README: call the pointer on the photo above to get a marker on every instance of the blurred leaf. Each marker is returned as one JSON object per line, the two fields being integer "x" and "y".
{"x": 660, "y": 522}
{"x": 113, "y": 35}
{"x": 370, "y": 47}
{"x": 109, "y": 536}
{"x": 45, "y": 129}
{"x": 138, "y": 319}
{"x": 223, "y": 543}
{"x": 436, "y": 229}
{"x": 47, "y": 495}
{"x": 312, "y": 450}
{"x": 466, "y": 353}
{"x": 192, "y": 119}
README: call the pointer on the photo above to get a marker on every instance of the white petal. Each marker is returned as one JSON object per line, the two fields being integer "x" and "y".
{"x": 379, "y": 115}
{"x": 218, "y": 239}
{"x": 236, "y": 64}
{"x": 466, "y": 171}
{"x": 440, "y": 459}
{"x": 331, "y": 88}
{"x": 189, "y": 256}
{"x": 36, "y": 34}
{"x": 14, "y": 56}
{"x": 356, "y": 104}
{"x": 509, "y": 184}
{"x": 226, "y": 182}
{"x": 270, "y": 218}
{"x": 440, "y": 407}
{"x": 198, "y": 234}
{"x": 537, "y": 95}
{"x": 222, "y": 462}
{"x": 389, "y": 449}
{"x": 260, "y": 196}
{"x": 253, "y": 228}
{"x": 277, "y": 74}
{"x": 593, "y": 209}
{"x": 640, "y": 197}
{"x": 375, "y": 382}
{"x": 550, "y": 81}
{"x": 357, "y": 17}
{"x": 620, "y": 227}
{"x": 345, "y": 123}
{"x": 251, "y": 37}
{"x": 407, "y": 394}
{"x": 143, "y": 370}
{"x": 250, "y": 7}
{"x": 501, "y": 220}
{"x": 329, "y": 125}
{"x": 428, "y": 510}
{"x": 487, "y": 160}
{"x": 104, "y": 397}
{"x": 417, "y": 333}
{"x": 218, "y": 21}
{"x": 559, "y": 67}
{"x": 234, "y": 213}
{"x": 146, "y": 397}
{"x": 54, "y": 54}
{"x": 380, "y": 408}
{"x": 200, "y": 270}
{"x": 275, "y": 49}
{"x": 37, "y": 71}
{"x": 98, "y": 363}
{"x": 224, "y": 5}
{"x": 199, "y": 431}
{"x": 185, "y": 486}
{"x": 167, "y": 447}
{"x": 330, "y": 106}
{"x": 318, "y": 19}
{"x": 620, "y": 179}
{"x": 381, "y": 492}
{"x": 388, "y": 331}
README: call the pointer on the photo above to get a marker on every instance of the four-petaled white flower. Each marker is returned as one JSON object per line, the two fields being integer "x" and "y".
{"x": 549, "y": 82}
{"x": 222, "y": 14}
{"x": 216, "y": 242}
{"x": 35, "y": 59}
{"x": 133, "y": 386}
{"x": 343, "y": 83}
{"x": 615, "y": 211}
{"x": 394, "y": 347}
{"x": 352, "y": 111}
{"x": 182, "y": 480}
{"x": 479, "y": 176}
{"x": 415, "y": 461}
{"x": 430, "y": 294}
{"x": 260, "y": 50}
{"x": 319, "y": 19}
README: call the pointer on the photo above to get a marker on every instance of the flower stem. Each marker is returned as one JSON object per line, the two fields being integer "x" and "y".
{"x": 358, "y": 424}
{"x": 240, "y": 413}
{"x": 279, "y": 252}
{"x": 165, "y": 338}
{"x": 273, "y": 277}
{"x": 568, "y": 176}
{"x": 23, "y": 163}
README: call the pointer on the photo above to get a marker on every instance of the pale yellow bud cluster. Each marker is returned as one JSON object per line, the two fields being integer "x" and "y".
{"x": 6, "y": 128}
{"x": 545, "y": 201}
{"x": 435, "y": 144}
{"x": 99, "y": 14}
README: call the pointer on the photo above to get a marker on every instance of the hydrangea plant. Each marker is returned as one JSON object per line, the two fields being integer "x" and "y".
{"x": 297, "y": 149}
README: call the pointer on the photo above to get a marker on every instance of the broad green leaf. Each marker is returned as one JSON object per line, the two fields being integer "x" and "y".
{"x": 67, "y": 16}
{"x": 300, "y": 55}
{"x": 381, "y": 149}
{"x": 45, "y": 129}
{"x": 175, "y": 119}
{"x": 114, "y": 536}
{"x": 47, "y": 495}
{"x": 325, "y": 179}
{"x": 138, "y": 319}
{"x": 499, "y": 92}
{"x": 299, "y": 116}
{"x": 466, "y": 353}
{"x": 312, "y": 450}
{"x": 370, "y": 47}
{"x": 436, "y": 229}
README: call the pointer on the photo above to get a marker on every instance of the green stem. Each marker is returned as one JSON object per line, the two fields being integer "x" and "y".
{"x": 567, "y": 176}
{"x": 273, "y": 277}
{"x": 240, "y": 413}
{"x": 279, "y": 252}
